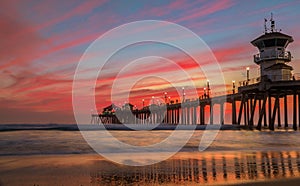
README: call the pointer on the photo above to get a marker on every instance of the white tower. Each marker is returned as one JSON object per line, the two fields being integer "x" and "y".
{"x": 273, "y": 57}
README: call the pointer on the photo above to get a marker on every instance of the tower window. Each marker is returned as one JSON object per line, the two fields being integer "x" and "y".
{"x": 260, "y": 45}
{"x": 281, "y": 42}
{"x": 269, "y": 42}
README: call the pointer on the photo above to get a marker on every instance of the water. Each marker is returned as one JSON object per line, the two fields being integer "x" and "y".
{"x": 62, "y": 141}
{"x": 208, "y": 168}
{"x": 234, "y": 155}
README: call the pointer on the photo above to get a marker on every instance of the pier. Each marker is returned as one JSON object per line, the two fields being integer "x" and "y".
{"x": 259, "y": 103}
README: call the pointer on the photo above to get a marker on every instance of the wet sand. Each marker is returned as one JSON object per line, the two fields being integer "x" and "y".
{"x": 226, "y": 168}
{"x": 279, "y": 182}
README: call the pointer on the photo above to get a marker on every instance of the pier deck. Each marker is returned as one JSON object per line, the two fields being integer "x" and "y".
{"x": 254, "y": 105}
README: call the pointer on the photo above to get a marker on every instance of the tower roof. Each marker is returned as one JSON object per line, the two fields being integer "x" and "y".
{"x": 272, "y": 35}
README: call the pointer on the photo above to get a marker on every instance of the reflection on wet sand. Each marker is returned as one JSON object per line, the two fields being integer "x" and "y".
{"x": 197, "y": 168}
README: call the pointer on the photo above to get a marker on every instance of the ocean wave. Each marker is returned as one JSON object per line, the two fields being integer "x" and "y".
{"x": 86, "y": 127}
{"x": 16, "y": 127}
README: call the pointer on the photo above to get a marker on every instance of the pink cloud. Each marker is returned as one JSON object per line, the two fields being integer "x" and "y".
{"x": 13, "y": 48}
{"x": 206, "y": 9}
{"x": 167, "y": 9}
{"x": 271, "y": 8}
{"x": 18, "y": 33}
{"x": 231, "y": 52}
{"x": 81, "y": 9}
{"x": 38, "y": 92}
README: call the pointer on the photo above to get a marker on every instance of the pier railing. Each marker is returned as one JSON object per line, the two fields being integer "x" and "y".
{"x": 287, "y": 77}
{"x": 276, "y": 55}
{"x": 249, "y": 105}
{"x": 249, "y": 81}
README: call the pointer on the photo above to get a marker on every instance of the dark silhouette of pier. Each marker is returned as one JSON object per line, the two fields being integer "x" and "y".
{"x": 258, "y": 103}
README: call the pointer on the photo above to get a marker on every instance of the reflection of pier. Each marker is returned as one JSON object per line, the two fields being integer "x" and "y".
{"x": 210, "y": 169}
{"x": 262, "y": 101}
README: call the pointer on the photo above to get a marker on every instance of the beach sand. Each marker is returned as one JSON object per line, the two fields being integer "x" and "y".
{"x": 92, "y": 169}
{"x": 279, "y": 182}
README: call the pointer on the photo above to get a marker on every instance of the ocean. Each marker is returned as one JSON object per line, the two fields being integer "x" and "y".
{"x": 234, "y": 156}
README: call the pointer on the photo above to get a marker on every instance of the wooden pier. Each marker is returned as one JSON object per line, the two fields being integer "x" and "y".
{"x": 257, "y": 104}
{"x": 253, "y": 106}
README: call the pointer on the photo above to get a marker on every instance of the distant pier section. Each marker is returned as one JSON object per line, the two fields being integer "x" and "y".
{"x": 258, "y": 103}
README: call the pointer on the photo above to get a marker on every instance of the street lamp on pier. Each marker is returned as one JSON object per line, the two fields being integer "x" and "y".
{"x": 165, "y": 97}
{"x": 248, "y": 79}
{"x": 233, "y": 86}
{"x": 208, "y": 88}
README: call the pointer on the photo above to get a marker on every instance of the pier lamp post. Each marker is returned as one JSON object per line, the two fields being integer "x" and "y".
{"x": 233, "y": 86}
{"x": 204, "y": 89}
{"x": 152, "y": 99}
{"x": 248, "y": 79}
{"x": 208, "y": 89}
{"x": 183, "y": 94}
{"x": 169, "y": 99}
{"x": 165, "y": 97}
{"x": 143, "y": 102}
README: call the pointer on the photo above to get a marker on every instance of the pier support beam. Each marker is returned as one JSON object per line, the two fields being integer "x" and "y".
{"x": 211, "y": 113}
{"x": 178, "y": 116}
{"x": 233, "y": 111}
{"x": 299, "y": 109}
{"x": 175, "y": 116}
{"x": 270, "y": 109}
{"x": 295, "y": 111}
{"x": 241, "y": 110}
{"x": 250, "y": 107}
{"x": 195, "y": 115}
{"x": 259, "y": 106}
{"x": 222, "y": 113}
{"x": 245, "y": 111}
{"x": 262, "y": 112}
{"x": 253, "y": 105}
{"x": 278, "y": 113}
{"x": 276, "y": 105}
{"x": 265, "y": 118}
{"x": 286, "y": 125}
{"x": 188, "y": 115}
{"x": 182, "y": 116}
{"x": 202, "y": 115}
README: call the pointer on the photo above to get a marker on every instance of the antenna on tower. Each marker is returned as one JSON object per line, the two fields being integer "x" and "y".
{"x": 272, "y": 23}
{"x": 265, "y": 25}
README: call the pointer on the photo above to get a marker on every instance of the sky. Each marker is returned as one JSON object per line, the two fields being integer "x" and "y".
{"x": 42, "y": 42}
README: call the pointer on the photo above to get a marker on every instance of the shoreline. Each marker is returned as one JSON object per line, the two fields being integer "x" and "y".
{"x": 128, "y": 127}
